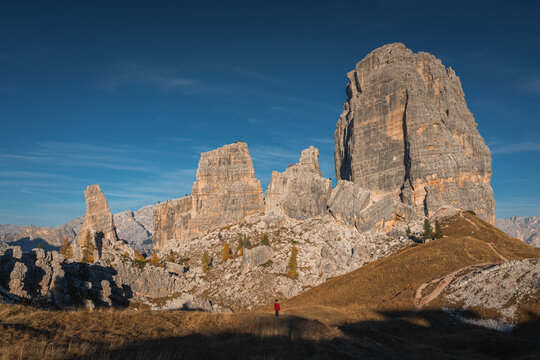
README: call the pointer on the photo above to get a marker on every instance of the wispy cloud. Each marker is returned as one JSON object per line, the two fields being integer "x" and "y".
{"x": 162, "y": 79}
{"x": 532, "y": 86}
{"x": 524, "y": 146}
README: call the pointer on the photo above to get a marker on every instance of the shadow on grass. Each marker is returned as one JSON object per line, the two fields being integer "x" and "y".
{"x": 422, "y": 335}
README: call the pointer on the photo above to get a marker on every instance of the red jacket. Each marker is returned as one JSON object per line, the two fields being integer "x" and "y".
{"x": 276, "y": 307}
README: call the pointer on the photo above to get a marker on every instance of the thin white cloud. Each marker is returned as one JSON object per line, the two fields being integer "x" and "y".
{"x": 162, "y": 79}
{"x": 524, "y": 146}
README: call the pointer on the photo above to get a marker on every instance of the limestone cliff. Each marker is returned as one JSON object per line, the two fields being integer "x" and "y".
{"x": 405, "y": 130}
{"x": 300, "y": 192}
{"x": 225, "y": 191}
{"x": 98, "y": 222}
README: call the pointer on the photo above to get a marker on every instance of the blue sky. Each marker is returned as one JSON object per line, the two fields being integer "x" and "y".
{"x": 128, "y": 94}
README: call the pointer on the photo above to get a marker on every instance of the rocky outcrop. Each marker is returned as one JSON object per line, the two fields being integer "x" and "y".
{"x": 225, "y": 192}
{"x": 300, "y": 192}
{"x": 405, "y": 130}
{"x": 98, "y": 223}
{"x": 256, "y": 256}
{"x": 524, "y": 228}
{"x": 347, "y": 201}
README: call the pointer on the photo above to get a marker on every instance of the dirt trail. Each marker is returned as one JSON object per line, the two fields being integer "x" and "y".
{"x": 421, "y": 300}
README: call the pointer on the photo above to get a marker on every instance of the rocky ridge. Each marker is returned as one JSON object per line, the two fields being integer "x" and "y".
{"x": 406, "y": 131}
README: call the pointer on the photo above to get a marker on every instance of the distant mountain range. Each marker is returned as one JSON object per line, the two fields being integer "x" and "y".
{"x": 135, "y": 227}
{"x": 526, "y": 228}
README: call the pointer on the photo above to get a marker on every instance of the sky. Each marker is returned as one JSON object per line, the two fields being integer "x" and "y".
{"x": 127, "y": 94}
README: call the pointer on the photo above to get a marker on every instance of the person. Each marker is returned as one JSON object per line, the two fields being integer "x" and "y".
{"x": 276, "y": 307}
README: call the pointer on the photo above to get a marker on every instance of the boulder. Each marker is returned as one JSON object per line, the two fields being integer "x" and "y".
{"x": 256, "y": 256}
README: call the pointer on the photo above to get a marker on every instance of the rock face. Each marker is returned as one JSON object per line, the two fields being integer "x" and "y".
{"x": 406, "y": 130}
{"x": 525, "y": 228}
{"x": 300, "y": 192}
{"x": 225, "y": 191}
{"x": 98, "y": 222}
{"x": 170, "y": 220}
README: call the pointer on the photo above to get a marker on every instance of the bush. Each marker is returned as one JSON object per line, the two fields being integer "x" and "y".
{"x": 225, "y": 252}
{"x": 408, "y": 231}
{"x": 428, "y": 231}
{"x": 472, "y": 212}
{"x": 438, "y": 230}
{"x": 264, "y": 239}
{"x": 139, "y": 260}
{"x": 205, "y": 262}
{"x": 292, "y": 267}
{"x": 66, "y": 249}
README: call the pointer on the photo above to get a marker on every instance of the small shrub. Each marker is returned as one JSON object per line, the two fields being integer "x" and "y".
{"x": 225, "y": 252}
{"x": 292, "y": 267}
{"x": 428, "y": 231}
{"x": 139, "y": 260}
{"x": 205, "y": 262}
{"x": 339, "y": 238}
{"x": 408, "y": 231}
{"x": 472, "y": 212}
{"x": 219, "y": 236}
{"x": 228, "y": 227}
{"x": 264, "y": 239}
{"x": 39, "y": 246}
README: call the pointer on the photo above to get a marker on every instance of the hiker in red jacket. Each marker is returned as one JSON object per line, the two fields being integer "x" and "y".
{"x": 276, "y": 307}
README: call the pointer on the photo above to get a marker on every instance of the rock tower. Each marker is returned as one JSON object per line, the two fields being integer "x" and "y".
{"x": 405, "y": 130}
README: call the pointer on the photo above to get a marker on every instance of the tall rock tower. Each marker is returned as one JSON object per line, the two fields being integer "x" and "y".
{"x": 406, "y": 130}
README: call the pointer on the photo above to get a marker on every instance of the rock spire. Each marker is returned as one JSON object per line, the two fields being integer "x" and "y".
{"x": 406, "y": 130}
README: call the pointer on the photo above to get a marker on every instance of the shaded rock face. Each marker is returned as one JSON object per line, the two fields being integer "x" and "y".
{"x": 225, "y": 191}
{"x": 300, "y": 192}
{"x": 406, "y": 130}
{"x": 98, "y": 222}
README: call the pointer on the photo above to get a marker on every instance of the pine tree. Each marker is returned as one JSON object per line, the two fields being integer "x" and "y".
{"x": 154, "y": 260}
{"x": 428, "y": 231}
{"x": 264, "y": 239}
{"x": 206, "y": 262}
{"x": 66, "y": 249}
{"x": 438, "y": 230}
{"x": 408, "y": 231}
{"x": 225, "y": 252}
{"x": 139, "y": 259}
{"x": 293, "y": 264}
{"x": 88, "y": 249}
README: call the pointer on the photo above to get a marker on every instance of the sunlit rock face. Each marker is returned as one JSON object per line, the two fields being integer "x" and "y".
{"x": 300, "y": 192}
{"x": 225, "y": 191}
{"x": 98, "y": 222}
{"x": 406, "y": 130}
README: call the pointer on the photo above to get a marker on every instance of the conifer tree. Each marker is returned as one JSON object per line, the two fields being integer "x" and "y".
{"x": 408, "y": 231}
{"x": 293, "y": 264}
{"x": 66, "y": 249}
{"x": 206, "y": 262}
{"x": 154, "y": 260}
{"x": 225, "y": 252}
{"x": 264, "y": 239}
{"x": 438, "y": 230}
{"x": 428, "y": 231}
{"x": 139, "y": 259}
{"x": 88, "y": 249}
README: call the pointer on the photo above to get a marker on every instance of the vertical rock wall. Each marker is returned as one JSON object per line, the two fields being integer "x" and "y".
{"x": 406, "y": 130}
